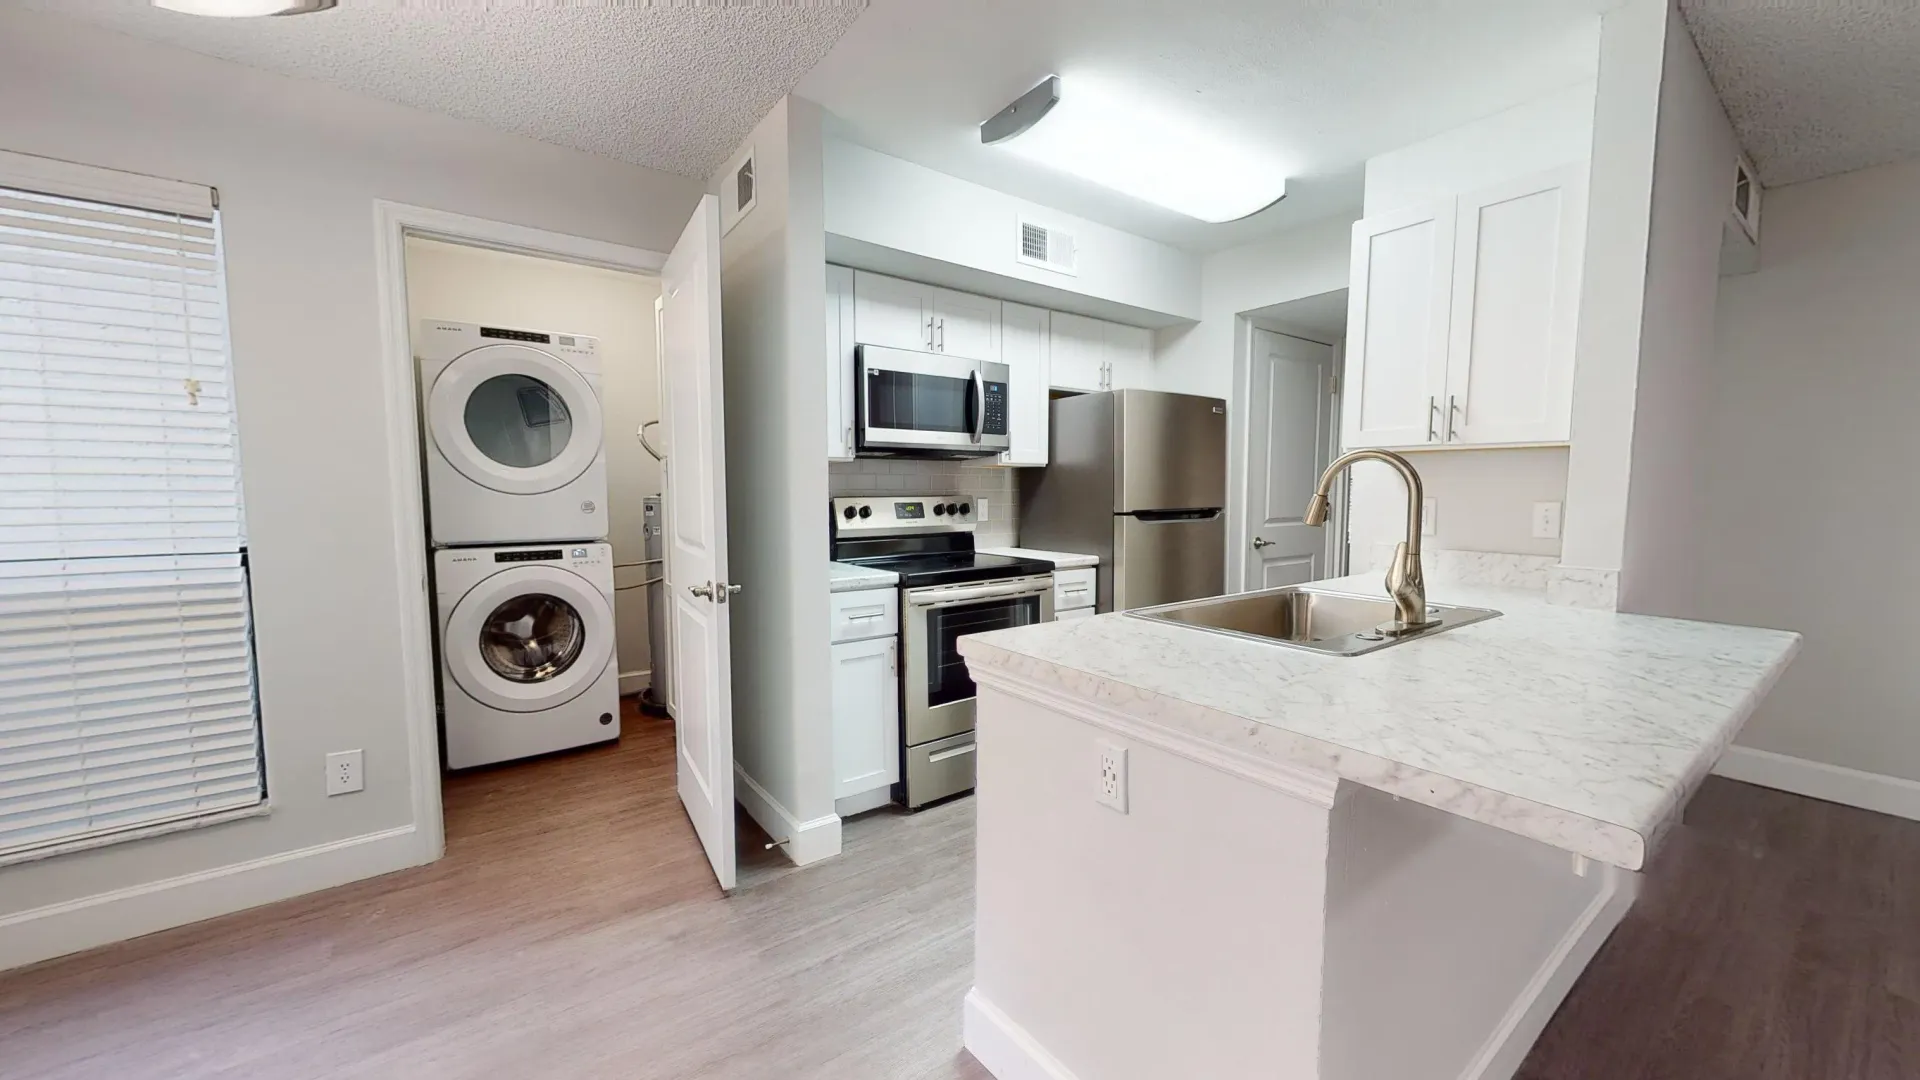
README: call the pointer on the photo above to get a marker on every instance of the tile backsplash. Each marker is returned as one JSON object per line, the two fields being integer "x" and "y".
{"x": 894, "y": 476}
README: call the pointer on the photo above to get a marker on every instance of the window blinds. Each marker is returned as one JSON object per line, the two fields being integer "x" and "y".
{"x": 127, "y": 695}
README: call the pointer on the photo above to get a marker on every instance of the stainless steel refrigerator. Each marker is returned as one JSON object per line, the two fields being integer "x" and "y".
{"x": 1138, "y": 478}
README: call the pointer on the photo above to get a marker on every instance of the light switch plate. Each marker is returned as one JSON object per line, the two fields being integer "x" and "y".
{"x": 979, "y": 511}
{"x": 1546, "y": 521}
{"x": 1430, "y": 516}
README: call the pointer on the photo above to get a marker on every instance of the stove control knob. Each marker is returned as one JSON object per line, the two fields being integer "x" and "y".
{"x": 848, "y": 513}
{"x": 953, "y": 508}
{"x": 939, "y": 509}
{"x": 866, "y": 511}
{"x": 966, "y": 508}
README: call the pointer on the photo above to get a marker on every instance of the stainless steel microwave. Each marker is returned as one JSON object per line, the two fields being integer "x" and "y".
{"x": 915, "y": 404}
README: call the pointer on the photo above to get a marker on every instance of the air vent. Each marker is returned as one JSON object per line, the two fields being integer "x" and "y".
{"x": 1746, "y": 198}
{"x": 738, "y": 193}
{"x": 1049, "y": 249}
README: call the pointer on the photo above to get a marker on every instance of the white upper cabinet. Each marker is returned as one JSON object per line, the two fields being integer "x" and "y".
{"x": 1397, "y": 309}
{"x": 1462, "y": 315}
{"x": 1079, "y": 353}
{"x": 891, "y": 312}
{"x": 840, "y": 316}
{"x": 1024, "y": 348}
{"x": 1091, "y": 355}
{"x": 966, "y": 325}
{"x": 1516, "y": 302}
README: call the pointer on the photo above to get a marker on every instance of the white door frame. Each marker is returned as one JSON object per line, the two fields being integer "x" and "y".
{"x": 392, "y": 223}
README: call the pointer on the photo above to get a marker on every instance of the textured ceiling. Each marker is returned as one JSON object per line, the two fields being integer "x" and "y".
{"x": 672, "y": 87}
{"x": 1328, "y": 83}
{"x": 1814, "y": 87}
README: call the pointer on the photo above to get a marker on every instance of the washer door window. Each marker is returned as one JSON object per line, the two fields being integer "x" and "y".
{"x": 514, "y": 419}
{"x": 529, "y": 638}
{"x": 532, "y": 638}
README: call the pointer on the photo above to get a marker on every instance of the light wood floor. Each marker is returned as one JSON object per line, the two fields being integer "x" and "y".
{"x": 573, "y": 931}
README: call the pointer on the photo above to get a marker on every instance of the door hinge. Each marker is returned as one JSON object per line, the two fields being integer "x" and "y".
{"x": 1333, "y": 383}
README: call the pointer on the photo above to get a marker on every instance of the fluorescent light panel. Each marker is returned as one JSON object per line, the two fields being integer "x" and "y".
{"x": 243, "y": 9}
{"x": 1106, "y": 132}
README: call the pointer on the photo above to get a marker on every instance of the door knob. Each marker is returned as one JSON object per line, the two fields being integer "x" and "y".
{"x": 724, "y": 590}
{"x": 1261, "y": 542}
{"x": 702, "y": 590}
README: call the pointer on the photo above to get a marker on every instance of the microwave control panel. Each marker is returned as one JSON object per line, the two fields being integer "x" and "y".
{"x": 996, "y": 418}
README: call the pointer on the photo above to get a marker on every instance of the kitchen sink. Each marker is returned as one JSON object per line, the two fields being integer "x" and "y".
{"x": 1317, "y": 620}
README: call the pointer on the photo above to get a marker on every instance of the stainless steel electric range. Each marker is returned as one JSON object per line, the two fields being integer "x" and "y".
{"x": 947, "y": 590}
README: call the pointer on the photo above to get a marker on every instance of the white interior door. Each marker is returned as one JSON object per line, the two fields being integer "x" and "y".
{"x": 1291, "y": 439}
{"x": 697, "y": 591}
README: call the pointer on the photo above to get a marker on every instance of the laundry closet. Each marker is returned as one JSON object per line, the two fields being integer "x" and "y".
{"x": 534, "y": 375}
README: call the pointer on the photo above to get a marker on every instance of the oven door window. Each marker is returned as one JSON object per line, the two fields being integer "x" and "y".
{"x": 911, "y": 401}
{"x": 947, "y": 679}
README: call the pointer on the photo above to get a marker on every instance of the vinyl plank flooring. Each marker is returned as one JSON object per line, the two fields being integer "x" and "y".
{"x": 574, "y": 932}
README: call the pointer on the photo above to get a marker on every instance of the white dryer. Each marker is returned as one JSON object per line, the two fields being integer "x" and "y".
{"x": 515, "y": 450}
{"x": 526, "y": 650}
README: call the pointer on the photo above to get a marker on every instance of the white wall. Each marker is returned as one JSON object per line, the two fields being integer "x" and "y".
{"x": 1210, "y": 358}
{"x": 1613, "y": 281}
{"x": 1808, "y": 490}
{"x": 298, "y": 166}
{"x": 1486, "y": 496}
{"x": 1540, "y": 134}
{"x": 773, "y": 290}
{"x": 879, "y": 208}
{"x": 1693, "y": 165}
{"x": 454, "y": 283}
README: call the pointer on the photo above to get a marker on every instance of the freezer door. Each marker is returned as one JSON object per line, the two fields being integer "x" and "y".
{"x": 1172, "y": 451}
{"x": 1163, "y": 561}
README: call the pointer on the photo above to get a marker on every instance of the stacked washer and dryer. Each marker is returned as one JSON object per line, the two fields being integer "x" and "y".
{"x": 516, "y": 481}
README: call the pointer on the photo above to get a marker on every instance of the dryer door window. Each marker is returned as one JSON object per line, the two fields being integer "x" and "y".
{"x": 518, "y": 421}
{"x": 532, "y": 638}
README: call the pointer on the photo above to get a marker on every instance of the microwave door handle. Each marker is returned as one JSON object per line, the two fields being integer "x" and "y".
{"x": 979, "y": 404}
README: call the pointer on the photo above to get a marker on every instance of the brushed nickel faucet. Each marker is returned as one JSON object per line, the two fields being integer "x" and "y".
{"x": 1405, "y": 583}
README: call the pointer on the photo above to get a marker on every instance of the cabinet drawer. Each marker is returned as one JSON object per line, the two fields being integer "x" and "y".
{"x": 1073, "y": 589}
{"x": 867, "y": 613}
{"x": 1073, "y": 613}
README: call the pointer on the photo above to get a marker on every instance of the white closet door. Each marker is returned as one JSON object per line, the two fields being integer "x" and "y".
{"x": 891, "y": 312}
{"x": 1397, "y": 315}
{"x": 1516, "y": 298}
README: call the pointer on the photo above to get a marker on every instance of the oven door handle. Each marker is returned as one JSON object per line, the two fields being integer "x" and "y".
{"x": 941, "y": 596}
{"x": 979, "y": 404}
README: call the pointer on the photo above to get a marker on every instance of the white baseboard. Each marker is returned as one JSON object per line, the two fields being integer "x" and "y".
{"x": 803, "y": 841}
{"x": 43, "y": 933}
{"x": 1816, "y": 779}
{"x": 1504, "y": 1051}
{"x": 632, "y": 682}
{"x": 1004, "y": 1047}
{"x": 863, "y": 802}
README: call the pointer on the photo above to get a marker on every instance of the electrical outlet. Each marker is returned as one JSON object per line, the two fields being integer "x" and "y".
{"x": 979, "y": 511}
{"x": 344, "y": 772}
{"x": 1546, "y": 521}
{"x": 1430, "y": 516}
{"x": 1113, "y": 776}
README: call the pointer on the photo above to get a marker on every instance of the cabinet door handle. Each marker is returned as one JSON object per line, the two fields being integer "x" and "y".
{"x": 929, "y": 333}
{"x": 1452, "y": 408}
{"x": 943, "y": 335}
{"x": 1433, "y": 406}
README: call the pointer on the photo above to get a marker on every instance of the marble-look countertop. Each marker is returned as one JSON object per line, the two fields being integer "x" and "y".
{"x": 1061, "y": 560}
{"x": 846, "y": 577}
{"x": 1588, "y": 730}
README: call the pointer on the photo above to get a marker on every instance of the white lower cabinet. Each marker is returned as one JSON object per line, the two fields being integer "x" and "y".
{"x": 866, "y": 718}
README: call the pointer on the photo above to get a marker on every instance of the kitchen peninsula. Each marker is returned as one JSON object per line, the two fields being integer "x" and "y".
{"x": 1344, "y": 868}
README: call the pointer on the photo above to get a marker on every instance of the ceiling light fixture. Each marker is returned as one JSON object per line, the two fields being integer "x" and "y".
{"x": 244, "y": 9}
{"x": 1105, "y": 132}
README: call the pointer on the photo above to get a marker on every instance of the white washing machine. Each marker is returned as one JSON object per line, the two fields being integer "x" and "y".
{"x": 526, "y": 650}
{"x": 515, "y": 451}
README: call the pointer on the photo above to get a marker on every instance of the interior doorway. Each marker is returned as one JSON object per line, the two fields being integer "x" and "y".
{"x": 1293, "y": 421}
{"x": 503, "y": 406}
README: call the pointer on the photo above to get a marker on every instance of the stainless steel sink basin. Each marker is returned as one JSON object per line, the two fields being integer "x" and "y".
{"x": 1301, "y": 617}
